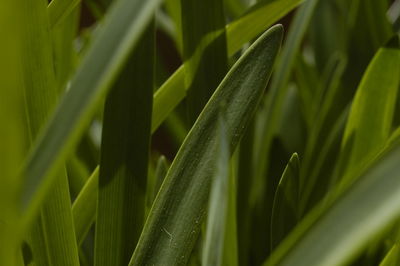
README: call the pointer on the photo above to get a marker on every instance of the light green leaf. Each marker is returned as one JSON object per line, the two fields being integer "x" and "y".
{"x": 370, "y": 120}
{"x": 251, "y": 24}
{"x": 285, "y": 211}
{"x": 175, "y": 218}
{"x": 329, "y": 235}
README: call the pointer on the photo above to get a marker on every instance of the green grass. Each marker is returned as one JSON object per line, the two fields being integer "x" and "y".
{"x": 146, "y": 132}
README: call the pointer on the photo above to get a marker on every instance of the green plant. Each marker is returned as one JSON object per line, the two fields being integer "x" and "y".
{"x": 113, "y": 154}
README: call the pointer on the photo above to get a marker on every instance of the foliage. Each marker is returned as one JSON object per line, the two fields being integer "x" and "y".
{"x": 145, "y": 132}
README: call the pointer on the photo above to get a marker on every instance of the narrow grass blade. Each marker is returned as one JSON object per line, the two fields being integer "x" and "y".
{"x": 393, "y": 256}
{"x": 213, "y": 247}
{"x": 251, "y": 24}
{"x": 120, "y": 32}
{"x": 370, "y": 120}
{"x": 285, "y": 207}
{"x": 124, "y": 157}
{"x": 174, "y": 221}
{"x": 12, "y": 133}
{"x": 204, "y": 51}
{"x": 329, "y": 235}
{"x": 52, "y": 239}
{"x": 84, "y": 207}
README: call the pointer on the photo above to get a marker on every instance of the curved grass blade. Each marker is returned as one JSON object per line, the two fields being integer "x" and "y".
{"x": 120, "y": 32}
{"x": 204, "y": 51}
{"x": 213, "y": 247}
{"x": 329, "y": 235}
{"x": 285, "y": 207}
{"x": 175, "y": 218}
{"x": 124, "y": 157}
{"x": 371, "y": 115}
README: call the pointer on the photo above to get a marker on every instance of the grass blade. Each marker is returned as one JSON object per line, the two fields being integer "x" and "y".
{"x": 260, "y": 17}
{"x": 373, "y": 201}
{"x": 120, "y": 32}
{"x": 84, "y": 207}
{"x": 371, "y": 115}
{"x": 174, "y": 221}
{"x": 52, "y": 238}
{"x": 124, "y": 157}
{"x": 12, "y": 133}
{"x": 204, "y": 51}
{"x": 213, "y": 246}
{"x": 285, "y": 206}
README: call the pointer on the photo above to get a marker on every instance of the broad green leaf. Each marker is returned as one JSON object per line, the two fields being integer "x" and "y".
{"x": 329, "y": 235}
{"x": 121, "y": 29}
{"x": 393, "y": 256}
{"x": 12, "y": 133}
{"x": 124, "y": 157}
{"x": 285, "y": 207}
{"x": 370, "y": 119}
{"x": 174, "y": 221}
{"x": 84, "y": 207}
{"x": 213, "y": 247}
{"x": 52, "y": 237}
{"x": 204, "y": 51}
